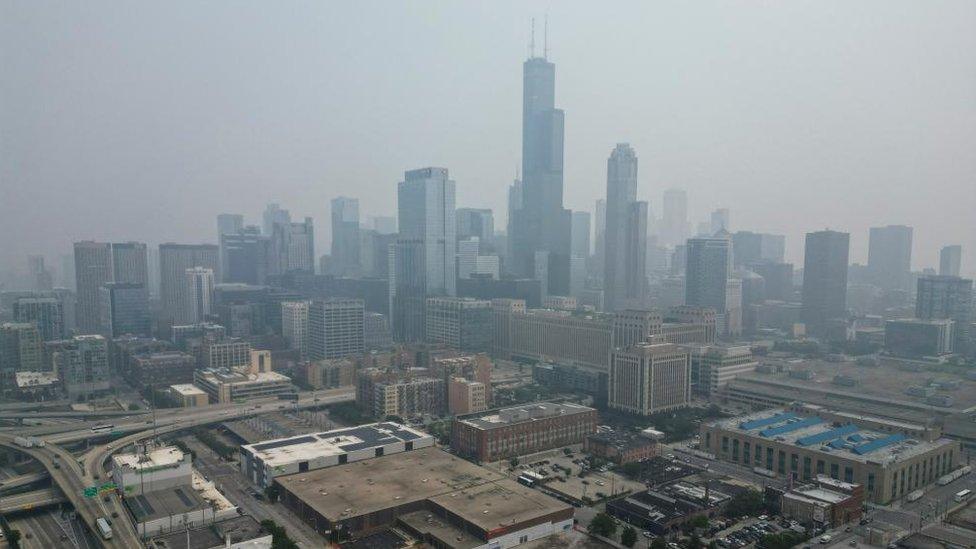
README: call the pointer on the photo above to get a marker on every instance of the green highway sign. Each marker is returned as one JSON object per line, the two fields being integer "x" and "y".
{"x": 91, "y": 491}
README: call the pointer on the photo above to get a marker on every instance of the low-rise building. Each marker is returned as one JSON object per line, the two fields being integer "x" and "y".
{"x": 243, "y": 532}
{"x": 620, "y": 448}
{"x": 803, "y": 446}
{"x": 664, "y": 509}
{"x": 440, "y": 499}
{"x": 521, "y": 430}
{"x": 327, "y": 374}
{"x": 187, "y": 395}
{"x": 465, "y": 396}
{"x": 383, "y": 394}
{"x": 161, "y": 369}
{"x": 264, "y": 461}
{"x": 37, "y": 385}
{"x": 225, "y": 385}
{"x": 151, "y": 469}
{"x": 911, "y": 337}
{"x": 825, "y": 503}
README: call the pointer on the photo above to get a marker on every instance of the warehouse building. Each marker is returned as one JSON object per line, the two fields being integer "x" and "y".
{"x": 520, "y": 430}
{"x": 264, "y": 461}
{"x": 438, "y": 498}
{"x": 802, "y": 446}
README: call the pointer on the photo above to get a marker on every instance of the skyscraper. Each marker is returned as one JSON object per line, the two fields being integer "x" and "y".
{"x": 721, "y": 220}
{"x": 124, "y": 310}
{"x": 625, "y": 250}
{"x": 229, "y": 224}
{"x": 825, "y": 261}
{"x": 20, "y": 351}
{"x": 948, "y": 298}
{"x": 301, "y": 247}
{"x": 200, "y": 294}
{"x": 47, "y": 313}
{"x": 708, "y": 272}
{"x": 98, "y": 263}
{"x": 294, "y": 325}
{"x": 345, "y": 253}
{"x": 674, "y": 225}
{"x": 890, "y": 256}
{"x": 245, "y": 256}
{"x": 950, "y": 260}
{"x": 599, "y": 235}
{"x": 516, "y": 192}
{"x": 477, "y": 222}
{"x": 750, "y": 247}
{"x": 541, "y": 224}
{"x": 174, "y": 260}
{"x": 580, "y": 237}
{"x": 273, "y": 214}
{"x": 336, "y": 327}
{"x": 40, "y": 278}
{"x": 648, "y": 378}
{"x": 426, "y": 247}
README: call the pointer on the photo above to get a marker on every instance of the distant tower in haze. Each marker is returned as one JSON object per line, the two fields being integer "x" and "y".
{"x": 273, "y": 214}
{"x": 721, "y": 221}
{"x": 825, "y": 262}
{"x": 40, "y": 278}
{"x": 229, "y": 224}
{"x": 124, "y": 310}
{"x": 174, "y": 260}
{"x": 674, "y": 225}
{"x": 426, "y": 248}
{"x": 580, "y": 237}
{"x": 709, "y": 282}
{"x": 345, "y": 252}
{"x": 599, "y": 235}
{"x": 890, "y": 256}
{"x": 625, "y": 250}
{"x": 950, "y": 260}
{"x": 540, "y": 235}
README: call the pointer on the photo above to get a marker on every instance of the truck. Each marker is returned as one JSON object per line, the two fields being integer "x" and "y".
{"x": 951, "y": 477}
{"x": 914, "y": 496}
{"x": 764, "y": 472}
{"x": 104, "y": 528}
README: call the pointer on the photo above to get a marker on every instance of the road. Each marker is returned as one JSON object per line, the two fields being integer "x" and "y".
{"x": 236, "y": 488}
{"x": 31, "y": 500}
{"x": 73, "y": 476}
{"x": 19, "y": 481}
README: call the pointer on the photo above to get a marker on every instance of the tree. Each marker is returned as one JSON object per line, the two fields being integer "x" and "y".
{"x": 133, "y": 407}
{"x": 272, "y": 493}
{"x": 602, "y": 525}
{"x": 746, "y": 502}
{"x": 513, "y": 462}
{"x": 628, "y": 537}
{"x": 279, "y": 537}
{"x": 699, "y": 521}
{"x": 694, "y": 542}
{"x": 13, "y": 538}
{"x": 659, "y": 543}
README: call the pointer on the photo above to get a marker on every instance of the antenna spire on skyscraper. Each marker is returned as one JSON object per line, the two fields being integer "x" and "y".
{"x": 532, "y": 41}
{"x": 545, "y": 38}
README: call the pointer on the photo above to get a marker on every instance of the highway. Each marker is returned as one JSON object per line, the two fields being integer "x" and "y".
{"x": 30, "y": 500}
{"x": 72, "y": 475}
{"x": 20, "y": 481}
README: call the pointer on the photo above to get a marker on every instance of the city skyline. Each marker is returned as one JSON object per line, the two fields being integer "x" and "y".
{"x": 738, "y": 181}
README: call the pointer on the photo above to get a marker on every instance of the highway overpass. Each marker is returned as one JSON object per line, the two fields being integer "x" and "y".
{"x": 31, "y": 500}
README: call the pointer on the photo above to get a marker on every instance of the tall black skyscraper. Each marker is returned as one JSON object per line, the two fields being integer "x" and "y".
{"x": 890, "y": 256}
{"x": 540, "y": 239}
{"x": 824, "y": 278}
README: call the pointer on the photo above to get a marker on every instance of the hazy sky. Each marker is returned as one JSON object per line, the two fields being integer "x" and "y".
{"x": 144, "y": 120}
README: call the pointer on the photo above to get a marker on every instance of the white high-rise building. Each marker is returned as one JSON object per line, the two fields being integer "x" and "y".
{"x": 467, "y": 256}
{"x": 200, "y": 293}
{"x": 294, "y": 325}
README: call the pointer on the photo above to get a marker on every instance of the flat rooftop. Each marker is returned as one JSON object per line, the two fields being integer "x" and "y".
{"x": 27, "y": 380}
{"x": 330, "y": 443}
{"x": 239, "y": 529}
{"x": 187, "y": 389}
{"x": 165, "y": 503}
{"x": 814, "y": 433}
{"x": 480, "y": 496}
{"x": 157, "y": 457}
{"x": 536, "y": 411}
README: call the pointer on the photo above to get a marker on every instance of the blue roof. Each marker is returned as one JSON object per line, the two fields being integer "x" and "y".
{"x": 762, "y": 422}
{"x": 855, "y": 438}
{"x": 826, "y": 435}
{"x": 837, "y": 443}
{"x": 789, "y": 427}
{"x": 878, "y": 444}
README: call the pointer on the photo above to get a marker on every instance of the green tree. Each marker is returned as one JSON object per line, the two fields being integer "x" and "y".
{"x": 279, "y": 537}
{"x": 698, "y": 521}
{"x": 659, "y": 543}
{"x": 133, "y": 407}
{"x": 13, "y": 538}
{"x": 746, "y": 502}
{"x": 272, "y": 493}
{"x": 602, "y": 525}
{"x": 628, "y": 537}
{"x": 694, "y": 542}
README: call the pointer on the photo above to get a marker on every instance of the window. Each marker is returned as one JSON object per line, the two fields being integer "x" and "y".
{"x": 769, "y": 458}
{"x": 408, "y": 445}
{"x": 735, "y": 449}
{"x": 379, "y": 451}
{"x": 834, "y": 471}
{"x": 302, "y": 466}
{"x": 820, "y": 467}
{"x": 794, "y": 462}
{"x": 759, "y": 454}
{"x": 746, "y": 458}
{"x": 343, "y": 458}
{"x": 870, "y": 482}
{"x": 725, "y": 445}
{"x": 848, "y": 474}
{"x": 781, "y": 465}
{"x": 806, "y": 467}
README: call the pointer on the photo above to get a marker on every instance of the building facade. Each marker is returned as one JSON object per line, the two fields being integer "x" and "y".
{"x": 464, "y": 324}
{"x": 625, "y": 250}
{"x": 824, "y": 278}
{"x": 649, "y": 378}
{"x": 336, "y": 328}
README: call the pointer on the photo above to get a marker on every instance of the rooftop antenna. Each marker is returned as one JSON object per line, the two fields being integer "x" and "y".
{"x": 545, "y": 38}
{"x": 532, "y": 41}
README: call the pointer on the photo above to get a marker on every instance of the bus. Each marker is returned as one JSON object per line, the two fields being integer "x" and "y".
{"x": 962, "y": 496}
{"x": 103, "y": 528}
{"x": 104, "y": 428}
